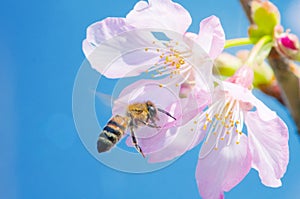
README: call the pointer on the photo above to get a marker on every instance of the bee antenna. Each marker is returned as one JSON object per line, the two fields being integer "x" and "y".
{"x": 167, "y": 113}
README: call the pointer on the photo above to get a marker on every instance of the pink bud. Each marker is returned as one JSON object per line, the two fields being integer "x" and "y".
{"x": 287, "y": 44}
{"x": 243, "y": 76}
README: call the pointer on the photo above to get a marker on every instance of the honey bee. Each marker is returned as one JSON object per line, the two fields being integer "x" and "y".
{"x": 137, "y": 114}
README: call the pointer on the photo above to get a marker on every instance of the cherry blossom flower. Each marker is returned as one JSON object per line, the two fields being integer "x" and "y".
{"x": 228, "y": 152}
{"x": 125, "y": 47}
{"x": 152, "y": 39}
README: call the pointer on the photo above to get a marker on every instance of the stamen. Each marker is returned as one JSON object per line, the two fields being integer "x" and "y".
{"x": 220, "y": 120}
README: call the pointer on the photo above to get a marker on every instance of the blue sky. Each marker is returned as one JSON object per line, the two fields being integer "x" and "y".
{"x": 41, "y": 155}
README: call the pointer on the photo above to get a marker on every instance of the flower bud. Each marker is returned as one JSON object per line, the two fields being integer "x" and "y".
{"x": 265, "y": 17}
{"x": 226, "y": 64}
{"x": 243, "y": 76}
{"x": 287, "y": 44}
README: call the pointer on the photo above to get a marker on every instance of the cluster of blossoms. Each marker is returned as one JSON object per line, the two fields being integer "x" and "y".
{"x": 217, "y": 112}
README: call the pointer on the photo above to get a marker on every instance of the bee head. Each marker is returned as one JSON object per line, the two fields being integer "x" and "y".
{"x": 151, "y": 109}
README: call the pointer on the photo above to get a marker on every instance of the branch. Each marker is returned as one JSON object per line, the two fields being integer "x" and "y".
{"x": 288, "y": 82}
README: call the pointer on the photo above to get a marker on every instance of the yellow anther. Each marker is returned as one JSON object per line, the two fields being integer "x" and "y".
{"x": 227, "y": 104}
{"x": 195, "y": 122}
{"x": 236, "y": 130}
{"x": 227, "y": 132}
{"x": 222, "y": 139}
{"x": 173, "y": 63}
{"x": 157, "y": 50}
{"x": 146, "y": 49}
{"x": 204, "y": 127}
{"x": 160, "y": 85}
{"x": 216, "y": 148}
{"x": 171, "y": 76}
{"x": 237, "y": 122}
{"x": 177, "y": 65}
{"x": 240, "y": 133}
{"x": 181, "y": 61}
{"x": 176, "y": 85}
{"x": 237, "y": 142}
{"x": 215, "y": 133}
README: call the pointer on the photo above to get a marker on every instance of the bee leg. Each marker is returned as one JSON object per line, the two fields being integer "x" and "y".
{"x": 166, "y": 112}
{"x": 148, "y": 124}
{"x": 134, "y": 141}
{"x": 153, "y": 122}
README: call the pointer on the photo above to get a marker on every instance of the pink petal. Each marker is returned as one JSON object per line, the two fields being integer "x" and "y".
{"x": 116, "y": 49}
{"x": 174, "y": 143}
{"x": 268, "y": 142}
{"x": 160, "y": 14}
{"x": 102, "y": 31}
{"x": 161, "y": 92}
{"x": 243, "y": 76}
{"x": 181, "y": 135}
{"x": 124, "y": 55}
{"x": 245, "y": 95}
{"x": 223, "y": 169}
{"x": 211, "y": 36}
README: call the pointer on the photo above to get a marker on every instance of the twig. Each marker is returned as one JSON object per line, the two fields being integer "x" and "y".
{"x": 288, "y": 82}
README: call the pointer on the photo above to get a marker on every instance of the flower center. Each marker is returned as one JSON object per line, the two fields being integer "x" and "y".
{"x": 171, "y": 59}
{"x": 223, "y": 122}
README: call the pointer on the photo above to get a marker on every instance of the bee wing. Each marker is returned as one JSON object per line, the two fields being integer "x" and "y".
{"x": 111, "y": 102}
{"x": 105, "y": 99}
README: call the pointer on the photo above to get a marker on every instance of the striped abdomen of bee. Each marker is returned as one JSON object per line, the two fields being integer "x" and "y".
{"x": 112, "y": 133}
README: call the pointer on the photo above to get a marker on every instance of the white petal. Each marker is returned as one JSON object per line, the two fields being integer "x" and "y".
{"x": 268, "y": 142}
{"x": 223, "y": 169}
